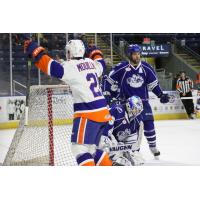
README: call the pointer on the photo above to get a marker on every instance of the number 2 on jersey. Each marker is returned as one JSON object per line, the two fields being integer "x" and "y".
{"x": 94, "y": 84}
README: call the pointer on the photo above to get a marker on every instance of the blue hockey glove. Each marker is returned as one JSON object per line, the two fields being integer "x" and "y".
{"x": 164, "y": 98}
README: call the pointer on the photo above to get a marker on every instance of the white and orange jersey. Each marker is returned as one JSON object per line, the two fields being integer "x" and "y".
{"x": 82, "y": 77}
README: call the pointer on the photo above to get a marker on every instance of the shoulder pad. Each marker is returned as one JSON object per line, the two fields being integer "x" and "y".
{"x": 146, "y": 64}
{"x": 120, "y": 65}
{"x": 118, "y": 109}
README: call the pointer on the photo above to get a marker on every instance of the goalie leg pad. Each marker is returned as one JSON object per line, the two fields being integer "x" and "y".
{"x": 101, "y": 158}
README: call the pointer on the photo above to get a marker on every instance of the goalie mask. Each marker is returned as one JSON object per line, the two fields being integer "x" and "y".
{"x": 75, "y": 49}
{"x": 134, "y": 106}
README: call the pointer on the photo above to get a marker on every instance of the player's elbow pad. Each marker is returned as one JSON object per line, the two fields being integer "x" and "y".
{"x": 56, "y": 70}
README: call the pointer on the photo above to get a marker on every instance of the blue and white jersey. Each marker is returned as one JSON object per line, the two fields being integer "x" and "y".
{"x": 109, "y": 88}
{"x": 121, "y": 127}
{"x": 135, "y": 80}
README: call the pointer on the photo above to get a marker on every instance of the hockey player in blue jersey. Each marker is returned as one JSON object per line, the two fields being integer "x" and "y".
{"x": 110, "y": 89}
{"x": 123, "y": 132}
{"x": 136, "y": 77}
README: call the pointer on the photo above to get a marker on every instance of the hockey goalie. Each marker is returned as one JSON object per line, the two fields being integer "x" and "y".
{"x": 91, "y": 113}
{"x": 123, "y": 134}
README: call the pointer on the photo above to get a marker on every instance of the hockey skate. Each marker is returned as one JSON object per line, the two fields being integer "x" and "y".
{"x": 155, "y": 152}
{"x": 192, "y": 116}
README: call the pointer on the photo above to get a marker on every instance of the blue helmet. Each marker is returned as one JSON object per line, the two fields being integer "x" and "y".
{"x": 133, "y": 48}
{"x": 134, "y": 106}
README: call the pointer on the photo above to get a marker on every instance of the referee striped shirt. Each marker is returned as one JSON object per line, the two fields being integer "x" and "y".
{"x": 184, "y": 86}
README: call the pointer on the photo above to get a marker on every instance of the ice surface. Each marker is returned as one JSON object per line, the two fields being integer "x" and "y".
{"x": 177, "y": 140}
{"x": 6, "y": 137}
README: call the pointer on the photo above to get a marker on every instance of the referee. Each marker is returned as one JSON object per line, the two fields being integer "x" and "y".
{"x": 185, "y": 86}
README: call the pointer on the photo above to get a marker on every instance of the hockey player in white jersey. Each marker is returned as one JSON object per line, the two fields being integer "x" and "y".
{"x": 90, "y": 107}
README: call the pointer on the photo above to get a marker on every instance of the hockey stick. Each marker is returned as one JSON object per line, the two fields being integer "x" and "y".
{"x": 173, "y": 97}
{"x": 140, "y": 134}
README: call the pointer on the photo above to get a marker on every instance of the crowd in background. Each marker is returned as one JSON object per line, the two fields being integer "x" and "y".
{"x": 57, "y": 42}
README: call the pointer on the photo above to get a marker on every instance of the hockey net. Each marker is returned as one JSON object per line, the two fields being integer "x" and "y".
{"x": 46, "y": 138}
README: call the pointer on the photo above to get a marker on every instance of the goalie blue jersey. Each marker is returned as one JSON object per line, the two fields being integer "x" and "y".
{"x": 121, "y": 127}
{"x": 135, "y": 80}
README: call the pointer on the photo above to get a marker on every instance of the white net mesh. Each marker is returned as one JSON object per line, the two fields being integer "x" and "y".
{"x": 46, "y": 138}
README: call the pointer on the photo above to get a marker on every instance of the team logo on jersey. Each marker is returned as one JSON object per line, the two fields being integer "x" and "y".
{"x": 114, "y": 87}
{"x": 120, "y": 110}
{"x": 123, "y": 134}
{"x": 135, "y": 81}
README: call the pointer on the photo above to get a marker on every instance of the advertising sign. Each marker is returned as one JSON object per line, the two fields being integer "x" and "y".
{"x": 157, "y": 50}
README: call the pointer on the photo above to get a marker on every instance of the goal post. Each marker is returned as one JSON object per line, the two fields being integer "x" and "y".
{"x": 45, "y": 140}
